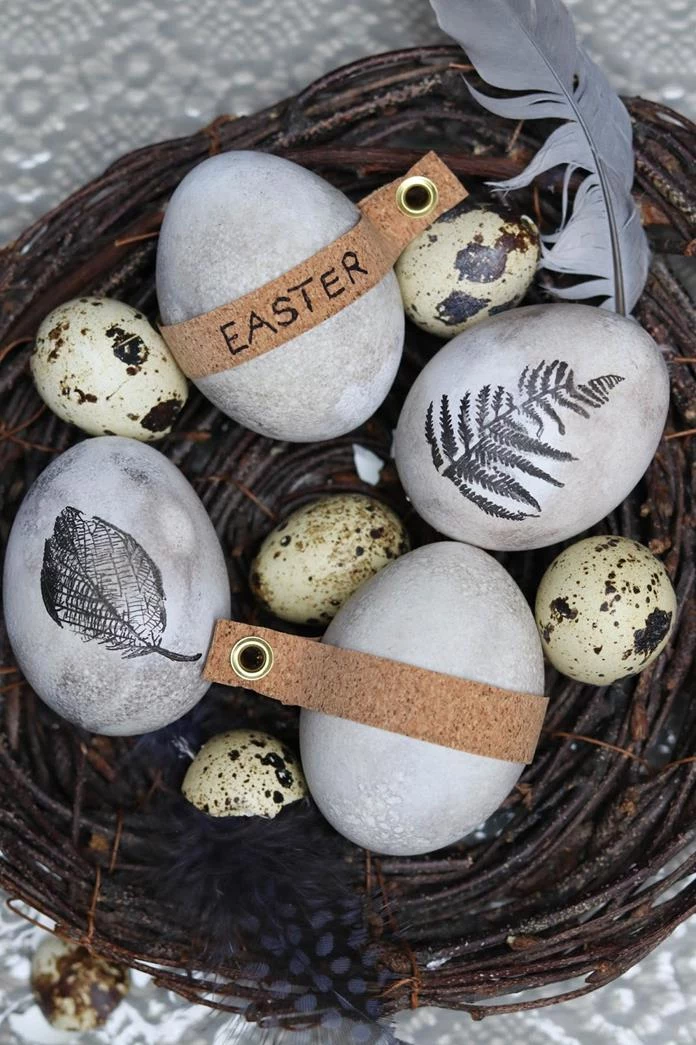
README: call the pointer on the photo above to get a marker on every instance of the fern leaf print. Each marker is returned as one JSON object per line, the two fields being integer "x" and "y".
{"x": 99, "y": 582}
{"x": 500, "y": 436}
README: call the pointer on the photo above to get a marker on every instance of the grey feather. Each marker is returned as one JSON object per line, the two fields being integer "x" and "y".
{"x": 530, "y": 46}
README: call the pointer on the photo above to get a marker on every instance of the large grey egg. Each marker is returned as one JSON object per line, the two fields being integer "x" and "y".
{"x": 450, "y": 608}
{"x": 240, "y": 220}
{"x": 114, "y": 578}
{"x": 532, "y": 426}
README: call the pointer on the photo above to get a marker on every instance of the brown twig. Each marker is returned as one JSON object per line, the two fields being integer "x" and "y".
{"x": 584, "y": 833}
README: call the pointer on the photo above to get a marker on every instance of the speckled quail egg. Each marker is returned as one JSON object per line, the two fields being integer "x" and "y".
{"x": 532, "y": 426}
{"x": 240, "y": 220}
{"x": 98, "y": 364}
{"x": 451, "y": 608}
{"x": 244, "y": 773}
{"x": 473, "y": 262}
{"x": 313, "y": 561}
{"x": 75, "y": 989}
{"x": 113, "y": 580}
{"x": 605, "y": 609}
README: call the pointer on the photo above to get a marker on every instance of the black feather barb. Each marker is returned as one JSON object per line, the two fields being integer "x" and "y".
{"x": 274, "y": 903}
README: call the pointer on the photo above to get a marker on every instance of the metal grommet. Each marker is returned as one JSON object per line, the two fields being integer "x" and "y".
{"x": 251, "y": 658}
{"x": 416, "y": 196}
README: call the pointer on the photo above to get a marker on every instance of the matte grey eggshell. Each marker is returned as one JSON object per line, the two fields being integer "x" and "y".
{"x": 113, "y": 580}
{"x": 238, "y": 221}
{"x": 451, "y": 608}
{"x": 532, "y": 426}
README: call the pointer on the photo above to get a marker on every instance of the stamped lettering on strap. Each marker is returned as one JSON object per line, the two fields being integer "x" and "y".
{"x": 316, "y": 289}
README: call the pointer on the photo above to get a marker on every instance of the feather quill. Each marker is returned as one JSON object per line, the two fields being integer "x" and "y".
{"x": 529, "y": 47}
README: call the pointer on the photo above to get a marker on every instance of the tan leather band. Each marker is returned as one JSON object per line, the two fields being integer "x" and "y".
{"x": 316, "y": 289}
{"x": 443, "y": 709}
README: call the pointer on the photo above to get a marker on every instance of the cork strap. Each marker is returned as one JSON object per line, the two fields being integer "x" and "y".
{"x": 442, "y": 709}
{"x": 315, "y": 289}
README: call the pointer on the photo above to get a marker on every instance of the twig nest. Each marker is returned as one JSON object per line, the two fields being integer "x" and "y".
{"x": 75, "y": 989}
{"x": 531, "y": 427}
{"x": 236, "y": 222}
{"x": 98, "y": 364}
{"x": 450, "y": 608}
{"x": 316, "y": 558}
{"x": 244, "y": 773}
{"x": 114, "y": 578}
{"x": 605, "y": 609}
{"x": 473, "y": 262}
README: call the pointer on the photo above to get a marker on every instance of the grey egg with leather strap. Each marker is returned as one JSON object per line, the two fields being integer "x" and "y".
{"x": 450, "y": 608}
{"x": 237, "y": 222}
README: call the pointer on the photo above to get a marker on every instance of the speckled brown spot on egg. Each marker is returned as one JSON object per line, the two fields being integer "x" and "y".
{"x": 458, "y": 306}
{"x": 129, "y": 347}
{"x": 648, "y": 638}
{"x": 162, "y": 416}
{"x": 481, "y": 264}
{"x": 561, "y": 610}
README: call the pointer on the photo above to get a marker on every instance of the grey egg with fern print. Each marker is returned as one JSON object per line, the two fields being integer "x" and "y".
{"x": 114, "y": 577}
{"x": 532, "y": 426}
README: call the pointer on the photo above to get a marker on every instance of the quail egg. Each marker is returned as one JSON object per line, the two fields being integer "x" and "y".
{"x": 75, "y": 989}
{"x": 98, "y": 364}
{"x": 316, "y": 558}
{"x": 473, "y": 262}
{"x": 244, "y": 773}
{"x": 605, "y": 609}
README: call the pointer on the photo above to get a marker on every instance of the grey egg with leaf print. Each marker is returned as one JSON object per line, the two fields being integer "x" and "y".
{"x": 605, "y": 609}
{"x": 240, "y": 220}
{"x": 244, "y": 773}
{"x": 473, "y": 262}
{"x": 532, "y": 426}
{"x": 114, "y": 578}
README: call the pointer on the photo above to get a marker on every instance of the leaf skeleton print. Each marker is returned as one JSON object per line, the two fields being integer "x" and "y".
{"x": 99, "y": 582}
{"x": 489, "y": 443}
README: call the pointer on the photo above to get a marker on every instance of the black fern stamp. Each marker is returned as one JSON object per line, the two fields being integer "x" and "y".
{"x": 99, "y": 582}
{"x": 486, "y": 449}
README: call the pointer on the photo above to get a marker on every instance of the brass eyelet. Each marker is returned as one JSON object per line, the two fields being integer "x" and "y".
{"x": 416, "y": 196}
{"x": 251, "y": 658}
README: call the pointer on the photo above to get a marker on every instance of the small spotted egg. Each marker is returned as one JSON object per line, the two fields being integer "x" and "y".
{"x": 471, "y": 263}
{"x": 98, "y": 364}
{"x": 75, "y": 989}
{"x": 244, "y": 773}
{"x": 311, "y": 563}
{"x": 605, "y": 609}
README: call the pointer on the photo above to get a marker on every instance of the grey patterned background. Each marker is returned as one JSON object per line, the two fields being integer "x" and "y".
{"x": 82, "y": 81}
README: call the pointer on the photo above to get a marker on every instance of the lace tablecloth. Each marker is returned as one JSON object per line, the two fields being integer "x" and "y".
{"x": 81, "y": 82}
